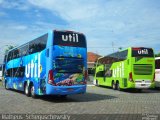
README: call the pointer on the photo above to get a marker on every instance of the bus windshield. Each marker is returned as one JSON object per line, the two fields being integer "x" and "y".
{"x": 142, "y": 52}
{"x": 69, "y": 65}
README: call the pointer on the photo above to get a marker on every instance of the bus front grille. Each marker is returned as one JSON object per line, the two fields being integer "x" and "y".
{"x": 142, "y": 69}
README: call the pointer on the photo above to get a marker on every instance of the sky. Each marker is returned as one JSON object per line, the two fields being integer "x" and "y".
{"x": 107, "y": 24}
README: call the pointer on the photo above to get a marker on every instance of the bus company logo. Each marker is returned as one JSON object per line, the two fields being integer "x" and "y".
{"x": 71, "y": 38}
{"x": 119, "y": 70}
{"x": 144, "y": 51}
{"x": 32, "y": 69}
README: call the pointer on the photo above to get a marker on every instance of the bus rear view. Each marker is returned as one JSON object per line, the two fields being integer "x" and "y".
{"x": 133, "y": 67}
{"x": 143, "y": 66}
{"x": 67, "y": 63}
{"x": 54, "y": 63}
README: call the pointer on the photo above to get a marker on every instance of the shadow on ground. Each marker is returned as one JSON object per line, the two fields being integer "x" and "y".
{"x": 141, "y": 91}
{"x": 87, "y": 97}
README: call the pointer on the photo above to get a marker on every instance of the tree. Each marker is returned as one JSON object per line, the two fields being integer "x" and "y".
{"x": 157, "y": 55}
{"x": 120, "y": 48}
{"x": 9, "y": 47}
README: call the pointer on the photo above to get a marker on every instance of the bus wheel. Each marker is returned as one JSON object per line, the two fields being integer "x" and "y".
{"x": 113, "y": 86}
{"x": 33, "y": 95}
{"x": 27, "y": 90}
{"x": 118, "y": 86}
{"x": 5, "y": 85}
{"x": 97, "y": 83}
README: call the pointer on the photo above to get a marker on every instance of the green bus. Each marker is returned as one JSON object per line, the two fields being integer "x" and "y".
{"x": 133, "y": 67}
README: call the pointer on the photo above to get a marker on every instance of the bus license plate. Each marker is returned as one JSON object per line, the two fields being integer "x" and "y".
{"x": 142, "y": 84}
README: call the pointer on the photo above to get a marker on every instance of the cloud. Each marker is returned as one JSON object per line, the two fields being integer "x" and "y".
{"x": 122, "y": 23}
{"x": 20, "y": 27}
{"x": 15, "y": 34}
{"x": 20, "y": 5}
{"x": 69, "y": 10}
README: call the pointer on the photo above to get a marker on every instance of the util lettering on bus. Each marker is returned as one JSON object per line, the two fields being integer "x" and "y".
{"x": 145, "y": 51}
{"x": 71, "y": 37}
{"x": 119, "y": 70}
{"x": 32, "y": 69}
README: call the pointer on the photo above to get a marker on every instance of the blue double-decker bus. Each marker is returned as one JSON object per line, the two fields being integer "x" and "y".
{"x": 52, "y": 64}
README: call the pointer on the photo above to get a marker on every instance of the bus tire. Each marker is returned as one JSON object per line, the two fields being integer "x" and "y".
{"x": 113, "y": 86}
{"x": 97, "y": 83}
{"x": 5, "y": 85}
{"x": 118, "y": 86}
{"x": 33, "y": 95}
{"x": 27, "y": 90}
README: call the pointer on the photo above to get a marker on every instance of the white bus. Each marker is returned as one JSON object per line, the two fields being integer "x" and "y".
{"x": 157, "y": 72}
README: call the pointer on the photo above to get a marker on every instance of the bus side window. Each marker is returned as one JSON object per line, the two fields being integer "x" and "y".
{"x": 24, "y": 50}
{"x": 9, "y": 73}
{"x": 100, "y": 74}
{"x": 16, "y": 53}
{"x": 9, "y": 57}
{"x": 108, "y": 73}
{"x": 19, "y": 72}
{"x": 38, "y": 44}
{"x": 22, "y": 71}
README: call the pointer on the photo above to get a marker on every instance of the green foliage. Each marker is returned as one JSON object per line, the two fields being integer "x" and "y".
{"x": 157, "y": 55}
{"x": 9, "y": 48}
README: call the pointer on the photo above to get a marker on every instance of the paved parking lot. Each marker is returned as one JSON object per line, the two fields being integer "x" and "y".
{"x": 97, "y": 100}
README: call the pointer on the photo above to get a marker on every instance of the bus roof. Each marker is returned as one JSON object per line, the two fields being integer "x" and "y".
{"x": 42, "y": 35}
{"x": 123, "y": 50}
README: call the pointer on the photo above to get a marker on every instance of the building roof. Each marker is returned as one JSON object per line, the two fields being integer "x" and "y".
{"x": 92, "y": 57}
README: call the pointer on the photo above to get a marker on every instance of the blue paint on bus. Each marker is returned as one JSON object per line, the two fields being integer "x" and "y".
{"x": 54, "y": 63}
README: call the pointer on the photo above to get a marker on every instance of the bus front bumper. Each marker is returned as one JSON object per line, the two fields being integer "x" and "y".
{"x": 65, "y": 90}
